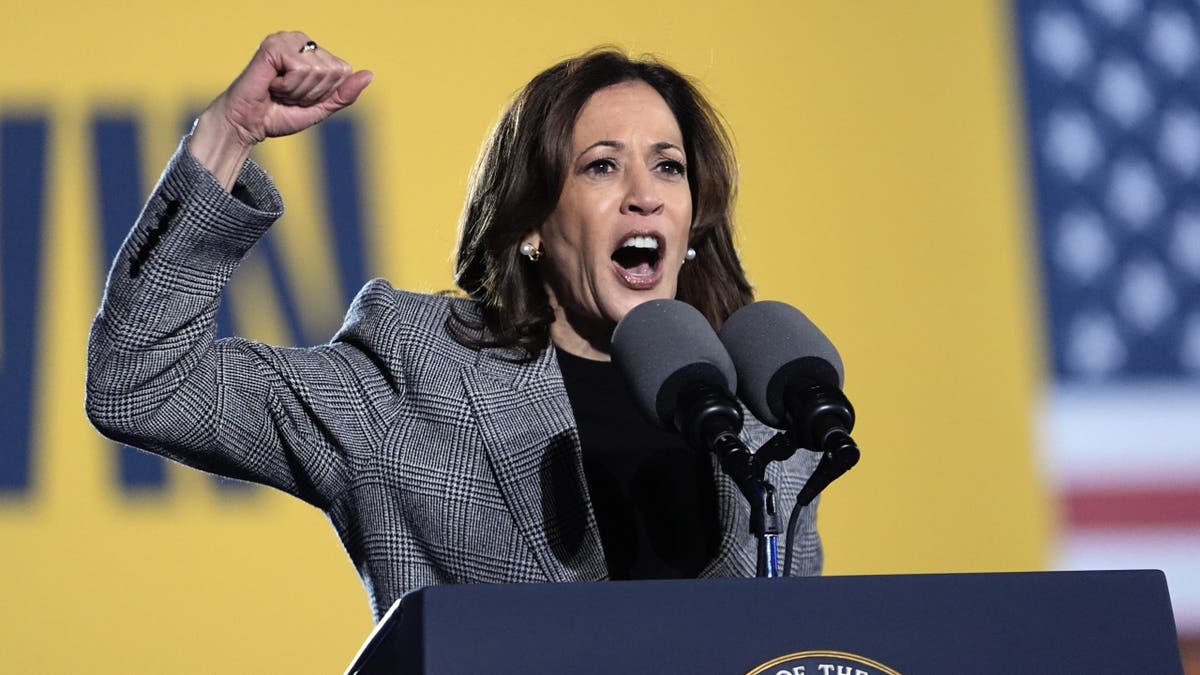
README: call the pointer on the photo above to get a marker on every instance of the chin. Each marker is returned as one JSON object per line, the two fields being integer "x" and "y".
{"x": 631, "y": 300}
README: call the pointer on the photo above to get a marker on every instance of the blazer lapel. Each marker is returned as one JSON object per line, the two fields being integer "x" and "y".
{"x": 532, "y": 444}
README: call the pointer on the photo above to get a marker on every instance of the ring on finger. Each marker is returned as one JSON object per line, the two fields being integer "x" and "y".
{"x": 309, "y": 46}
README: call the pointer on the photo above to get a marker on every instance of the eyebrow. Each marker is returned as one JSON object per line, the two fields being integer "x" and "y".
{"x": 618, "y": 145}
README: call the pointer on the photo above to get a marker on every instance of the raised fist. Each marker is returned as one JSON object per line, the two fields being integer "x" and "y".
{"x": 290, "y": 85}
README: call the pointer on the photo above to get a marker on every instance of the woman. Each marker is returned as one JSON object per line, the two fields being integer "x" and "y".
{"x": 449, "y": 439}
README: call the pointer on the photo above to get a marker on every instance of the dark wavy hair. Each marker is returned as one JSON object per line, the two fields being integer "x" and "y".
{"x": 520, "y": 174}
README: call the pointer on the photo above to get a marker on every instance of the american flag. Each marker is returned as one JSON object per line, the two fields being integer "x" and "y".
{"x": 1112, "y": 113}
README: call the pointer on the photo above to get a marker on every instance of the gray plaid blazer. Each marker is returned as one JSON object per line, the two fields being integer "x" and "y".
{"x": 436, "y": 463}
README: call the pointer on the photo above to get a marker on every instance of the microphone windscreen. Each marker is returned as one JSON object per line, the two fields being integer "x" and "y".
{"x": 773, "y": 345}
{"x": 663, "y": 346}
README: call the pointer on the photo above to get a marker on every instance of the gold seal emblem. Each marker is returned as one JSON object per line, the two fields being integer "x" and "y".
{"x": 822, "y": 663}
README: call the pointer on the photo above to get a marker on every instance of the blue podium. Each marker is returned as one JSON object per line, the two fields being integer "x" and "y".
{"x": 1039, "y": 622}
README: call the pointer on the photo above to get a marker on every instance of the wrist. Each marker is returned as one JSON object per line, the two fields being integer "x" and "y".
{"x": 218, "y": 146}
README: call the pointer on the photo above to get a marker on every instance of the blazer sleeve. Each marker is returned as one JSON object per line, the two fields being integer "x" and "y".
{"x": 156, "y": 378}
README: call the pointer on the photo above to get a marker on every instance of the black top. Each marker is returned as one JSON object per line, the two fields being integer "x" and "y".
{"x": 653, "y": 496}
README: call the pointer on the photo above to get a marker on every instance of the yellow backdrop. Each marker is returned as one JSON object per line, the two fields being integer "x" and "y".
{"x": 882, "y": 192}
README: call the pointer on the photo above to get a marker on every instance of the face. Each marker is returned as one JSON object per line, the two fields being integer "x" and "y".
{"x": 618, "y": 235}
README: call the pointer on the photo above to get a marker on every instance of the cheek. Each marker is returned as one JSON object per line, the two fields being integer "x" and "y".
{"x": 565, "y": 226}
{"x": 682, "y": 202}
{"x": 579, "y": 237}
{"x": 685, "y": 222}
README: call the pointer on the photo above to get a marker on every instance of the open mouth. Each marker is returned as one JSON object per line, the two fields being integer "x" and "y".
{"x": 639, "y": 256}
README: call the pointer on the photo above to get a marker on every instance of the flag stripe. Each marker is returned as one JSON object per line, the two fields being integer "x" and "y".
{"x": 1177, "y": 505}
{"x": 1141, "y": 433}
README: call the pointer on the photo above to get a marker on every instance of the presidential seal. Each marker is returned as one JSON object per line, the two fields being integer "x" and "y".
{"x": 822, "y": 663}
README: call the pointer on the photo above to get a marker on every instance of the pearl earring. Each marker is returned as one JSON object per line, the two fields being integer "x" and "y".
{"x": 690, "y": 255}
{"x": 530, "y": 252}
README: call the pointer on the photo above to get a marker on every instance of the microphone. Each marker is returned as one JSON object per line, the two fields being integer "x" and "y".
{"x": 682, "y": 378}
{"x": 791, "y": 380}
{"x": 679, "y": 371}
{"x": 791, "y": 374}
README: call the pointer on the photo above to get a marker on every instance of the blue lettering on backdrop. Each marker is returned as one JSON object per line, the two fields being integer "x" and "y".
{"x": 22, "y": 225}
{"x": 117, "y": 171}
{"x": 339, "y": 142}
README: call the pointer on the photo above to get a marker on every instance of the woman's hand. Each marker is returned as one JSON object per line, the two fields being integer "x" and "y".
{"x": 285, "y": 88}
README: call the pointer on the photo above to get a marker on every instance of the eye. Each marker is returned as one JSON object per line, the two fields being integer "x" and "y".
{"x": 601, "y": 167}
{"x": 672, "y": 167}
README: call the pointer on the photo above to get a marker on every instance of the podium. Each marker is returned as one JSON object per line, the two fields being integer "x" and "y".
{"x": 1038, "y": 622}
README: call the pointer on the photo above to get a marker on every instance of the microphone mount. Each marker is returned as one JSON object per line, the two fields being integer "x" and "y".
{"x": 816, "y": 411}
{"x": 710, "y": 419}
{"x": 821, "y": 418}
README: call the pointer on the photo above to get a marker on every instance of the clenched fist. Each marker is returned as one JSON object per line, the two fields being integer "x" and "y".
{"x": 287, "y": 87}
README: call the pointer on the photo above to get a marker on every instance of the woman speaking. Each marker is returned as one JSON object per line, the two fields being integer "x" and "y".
{"x": 483, "y": 436}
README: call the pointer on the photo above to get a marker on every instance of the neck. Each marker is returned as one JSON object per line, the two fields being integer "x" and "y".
{"x": 581, "y": 336}
{"x": 567, "y": 339}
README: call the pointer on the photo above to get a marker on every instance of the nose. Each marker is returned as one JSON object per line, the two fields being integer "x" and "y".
{"x": 641, "y": 193}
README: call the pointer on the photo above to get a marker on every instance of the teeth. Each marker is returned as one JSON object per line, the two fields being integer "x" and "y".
{"x": 641, "y": 242}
